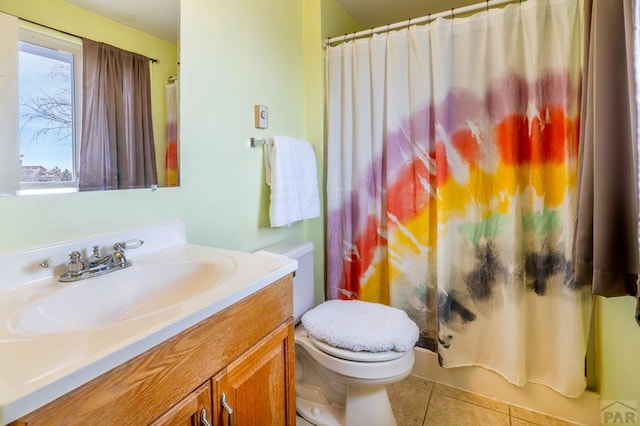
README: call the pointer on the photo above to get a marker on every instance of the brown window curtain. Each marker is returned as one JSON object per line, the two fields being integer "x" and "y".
{"x": 606, "y": 245}
{"x": 117, "y": 148}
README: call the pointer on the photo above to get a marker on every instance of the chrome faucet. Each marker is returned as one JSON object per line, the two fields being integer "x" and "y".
{"x": 96, "y": 261}
{"x": 98, "y": 264}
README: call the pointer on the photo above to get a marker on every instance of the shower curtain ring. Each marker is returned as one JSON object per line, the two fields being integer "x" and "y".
{"x": 452, "y": 13}
{"x": 487, "y": 5}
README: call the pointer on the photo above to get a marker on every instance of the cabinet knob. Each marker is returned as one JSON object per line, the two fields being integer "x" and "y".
{"x": 203, "y": 418}
{"x": 227, "y": 408}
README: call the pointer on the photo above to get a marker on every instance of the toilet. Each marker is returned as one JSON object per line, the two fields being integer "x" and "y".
{"x": 334, "y": 384}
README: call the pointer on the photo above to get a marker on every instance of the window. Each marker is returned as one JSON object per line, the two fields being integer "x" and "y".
{"x": 49, "y": 88}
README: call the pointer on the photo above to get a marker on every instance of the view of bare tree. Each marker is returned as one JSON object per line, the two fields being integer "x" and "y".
{"x": 52, "y": 111}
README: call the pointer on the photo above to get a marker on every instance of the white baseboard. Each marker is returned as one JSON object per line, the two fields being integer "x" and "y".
{"x": 584, "y": 409}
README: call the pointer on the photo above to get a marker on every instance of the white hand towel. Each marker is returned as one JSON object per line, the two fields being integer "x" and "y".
{"x": 290, "y": 169}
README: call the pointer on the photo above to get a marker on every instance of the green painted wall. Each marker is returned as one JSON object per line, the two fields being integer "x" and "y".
{"x": 618, "y": 350}
{"x": 314, "y": 123}
{"x": 336, "y": 21}
{"x": 236, "y": 54}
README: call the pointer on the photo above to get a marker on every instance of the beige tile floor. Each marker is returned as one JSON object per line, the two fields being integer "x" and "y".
{"x": 420, "y": 402}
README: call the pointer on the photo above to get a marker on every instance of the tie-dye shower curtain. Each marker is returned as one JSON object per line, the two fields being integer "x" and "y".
{"x": 451, "y": 186}
{"x": 171, "y": 163}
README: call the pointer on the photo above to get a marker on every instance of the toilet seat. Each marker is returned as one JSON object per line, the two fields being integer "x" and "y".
{"x": 360, "y": 356}
{"x": 358, "y": 326}
{"x": 365, "y": 371}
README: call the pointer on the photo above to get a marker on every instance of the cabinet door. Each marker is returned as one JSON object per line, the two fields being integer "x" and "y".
{"x": 257, "y": 388}
{"x": 193, "y": 410}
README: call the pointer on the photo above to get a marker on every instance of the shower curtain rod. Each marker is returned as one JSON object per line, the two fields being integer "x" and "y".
{"x": 448, "y": 13}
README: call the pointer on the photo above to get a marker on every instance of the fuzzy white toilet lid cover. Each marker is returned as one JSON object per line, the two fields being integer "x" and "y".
{"x": 361, "y": 326}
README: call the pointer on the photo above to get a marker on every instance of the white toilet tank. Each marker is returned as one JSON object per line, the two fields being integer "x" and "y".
{"x": 303, "y": 281}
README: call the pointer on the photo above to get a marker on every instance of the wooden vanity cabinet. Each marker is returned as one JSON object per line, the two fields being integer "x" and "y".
{"x": 194, "y": 409}
{"x": 245, "y": 352}
{"x": 252, "y": 389}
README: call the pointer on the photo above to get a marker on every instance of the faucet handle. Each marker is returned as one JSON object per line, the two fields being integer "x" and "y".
{"x": 75, "y": 256}
{"x": 75, "y": 262}
{"x": 129, "y": 244}
{"x": 95, "y": 255}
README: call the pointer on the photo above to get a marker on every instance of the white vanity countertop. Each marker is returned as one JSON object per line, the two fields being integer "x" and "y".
{"x": 36, "y": 368}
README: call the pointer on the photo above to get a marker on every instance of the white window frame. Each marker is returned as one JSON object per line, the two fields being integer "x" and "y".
{"x": 58, "y": 41}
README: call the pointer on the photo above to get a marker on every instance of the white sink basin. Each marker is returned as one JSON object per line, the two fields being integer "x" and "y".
{"x": 138, "y": 291}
